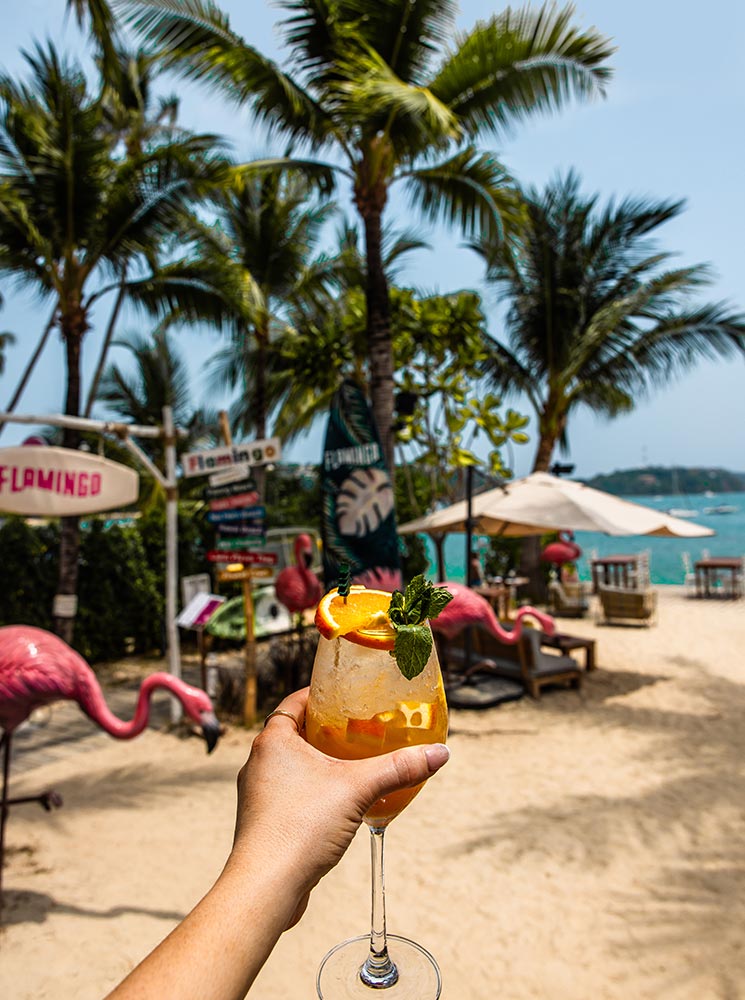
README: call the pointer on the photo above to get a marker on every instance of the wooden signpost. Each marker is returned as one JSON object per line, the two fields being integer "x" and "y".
{"x": 240, "y": 520}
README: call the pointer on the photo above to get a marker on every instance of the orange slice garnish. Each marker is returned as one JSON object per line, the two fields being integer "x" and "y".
{"x": 362, "y": 618}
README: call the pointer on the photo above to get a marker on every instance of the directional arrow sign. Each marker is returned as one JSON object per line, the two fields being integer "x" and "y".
{"x": 231, "y": 503}
{"x": 230, "y": 489}
{"x": 251, "y": 573}
{"x": 253, "y": 529}
{"x": 238, "y": 514}
{"x": 243, "y": 556}
{"x": 228, "y": 544}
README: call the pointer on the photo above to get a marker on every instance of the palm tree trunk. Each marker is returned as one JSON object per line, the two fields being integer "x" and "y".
{"x": 544, "y": 453}
{"x": 379, "y": 343}
{"x": 30, "y": 366}
{"x": 260, "y": 406}
{"x": 67, "y": 581}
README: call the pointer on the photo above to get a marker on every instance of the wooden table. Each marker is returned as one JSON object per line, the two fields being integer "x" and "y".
{"x": 614, "y": 571}
{"x": 501, "y": 596}
{"x": 566, "y": 643}
{"x": 708, "y": 571}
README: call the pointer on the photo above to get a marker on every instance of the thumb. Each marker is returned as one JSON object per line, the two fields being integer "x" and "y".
{"x": 401, "y": 769}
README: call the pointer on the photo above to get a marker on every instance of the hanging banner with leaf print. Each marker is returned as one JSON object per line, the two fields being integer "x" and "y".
{"x": 358, "y": 521}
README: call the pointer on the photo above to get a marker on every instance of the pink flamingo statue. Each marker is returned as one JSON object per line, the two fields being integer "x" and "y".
{"x": 37, "y": 667}
{"x": 297, "y": 587}
{"x": 469, "y": 608}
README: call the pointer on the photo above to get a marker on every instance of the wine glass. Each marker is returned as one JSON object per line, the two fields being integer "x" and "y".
{"x": 361, "y": 705}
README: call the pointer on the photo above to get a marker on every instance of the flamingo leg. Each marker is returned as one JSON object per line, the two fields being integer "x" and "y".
{"x": 47, "y": 800}
{"x": 5, "y": 744}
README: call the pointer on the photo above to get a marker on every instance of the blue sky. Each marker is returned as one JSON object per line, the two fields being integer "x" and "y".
{"x": 670, "y": 127}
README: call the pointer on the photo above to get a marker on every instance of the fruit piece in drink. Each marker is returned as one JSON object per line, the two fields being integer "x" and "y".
{"x": 408, "y": 724}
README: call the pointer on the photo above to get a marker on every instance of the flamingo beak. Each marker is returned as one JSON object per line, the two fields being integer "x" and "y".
{"x": 210, "y": 729}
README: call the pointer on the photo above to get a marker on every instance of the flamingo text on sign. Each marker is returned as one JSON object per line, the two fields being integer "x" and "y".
{"x": 58, "y": 482}
{"x": 200, "y": 463}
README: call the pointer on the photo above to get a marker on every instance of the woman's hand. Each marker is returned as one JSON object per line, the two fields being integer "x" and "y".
{"x": 300, "y": 808}
{"x": 297, "y": 813}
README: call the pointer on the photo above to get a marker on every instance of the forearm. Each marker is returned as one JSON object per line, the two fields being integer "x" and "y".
{"x": 218, "y": 950}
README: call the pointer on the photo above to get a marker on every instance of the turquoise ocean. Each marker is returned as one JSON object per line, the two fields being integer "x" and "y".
{"x": 666, "y": 563}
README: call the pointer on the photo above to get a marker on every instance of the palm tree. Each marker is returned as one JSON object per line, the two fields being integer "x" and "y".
{"x": 597, "y": 316}
{"x": 267, "y": 228}
{"x": 160, "y": 378}
{"x": 73, "y": 211}
{"x": 332, "y": 328}
{"x": 378, "y": 87}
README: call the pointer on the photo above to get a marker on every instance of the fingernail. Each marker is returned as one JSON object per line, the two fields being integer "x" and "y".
{"x": 437, "y": 754}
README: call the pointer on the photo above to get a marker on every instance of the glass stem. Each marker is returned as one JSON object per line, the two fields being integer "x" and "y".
{"x": 378, "y": 971}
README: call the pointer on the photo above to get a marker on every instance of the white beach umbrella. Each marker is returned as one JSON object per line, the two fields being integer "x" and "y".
{"x": 541, "y": 502}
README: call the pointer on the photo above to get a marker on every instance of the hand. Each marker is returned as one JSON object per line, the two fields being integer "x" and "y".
{"x": 300, "y": 808}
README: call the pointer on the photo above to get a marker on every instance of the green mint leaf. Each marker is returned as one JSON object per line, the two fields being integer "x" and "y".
{"x": 439, "y": 600}
{"x": 412, "y": 649}
{"x": 396, "y": 612}
{"x": 416, "y": 600}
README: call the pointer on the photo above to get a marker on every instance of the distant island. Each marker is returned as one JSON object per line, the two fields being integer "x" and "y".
{"x": 656, "y": 479}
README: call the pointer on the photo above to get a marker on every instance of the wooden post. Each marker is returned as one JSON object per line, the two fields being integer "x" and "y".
{"x": 249, "y": 697}
{"x": 174, "y": 652}
{"x": 249, "y": 700}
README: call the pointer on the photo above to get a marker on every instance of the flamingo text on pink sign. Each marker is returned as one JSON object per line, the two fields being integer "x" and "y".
{"x": 58, "y": 482}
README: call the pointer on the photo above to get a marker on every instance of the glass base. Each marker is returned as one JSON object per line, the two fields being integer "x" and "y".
{"x": 418, "y": 974}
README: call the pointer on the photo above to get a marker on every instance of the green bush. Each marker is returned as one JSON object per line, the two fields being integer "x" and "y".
{"x": 29, "y": 558}
{"x": 120, "y": 606}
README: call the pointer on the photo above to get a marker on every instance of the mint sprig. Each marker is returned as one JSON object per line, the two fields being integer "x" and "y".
{"x": 408, "y": 613}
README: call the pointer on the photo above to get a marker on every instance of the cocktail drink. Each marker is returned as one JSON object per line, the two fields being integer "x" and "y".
{"x": 363, "y": 702}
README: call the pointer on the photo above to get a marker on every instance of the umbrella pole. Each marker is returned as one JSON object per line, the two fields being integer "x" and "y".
{"x": 469, "y": 543}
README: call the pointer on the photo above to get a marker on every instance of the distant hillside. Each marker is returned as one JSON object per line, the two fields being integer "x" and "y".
{"x": 654, "y": 479}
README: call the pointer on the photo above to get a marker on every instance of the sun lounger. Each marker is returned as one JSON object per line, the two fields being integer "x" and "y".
{"x": 525, "y": 661}
{"x": 566, "y": 605}
{"x": 619, "y": 605}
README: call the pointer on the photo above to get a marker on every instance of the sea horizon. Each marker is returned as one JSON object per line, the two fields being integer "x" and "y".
{"x": 665, "y": 554}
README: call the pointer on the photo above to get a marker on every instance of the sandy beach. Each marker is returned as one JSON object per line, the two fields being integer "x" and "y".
{"x": 587, "y": 846}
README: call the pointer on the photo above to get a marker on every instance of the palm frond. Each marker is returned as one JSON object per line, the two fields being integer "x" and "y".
{"x": 471, "y": 190}
{"x": 518, "y": 63}
{"x": 194, "y": 37}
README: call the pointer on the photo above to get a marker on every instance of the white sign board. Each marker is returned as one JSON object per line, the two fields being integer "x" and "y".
{"x": 234, "y": 474}
{"x": 199, "y": 610}
{"x": 202, "y": 463}
{"x": 199, "y": 583}
{"x": 59, "y": 482}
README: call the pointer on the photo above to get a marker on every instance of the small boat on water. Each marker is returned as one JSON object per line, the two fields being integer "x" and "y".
{"x": 681, "y": 512}
{"x": 722, "y": 508}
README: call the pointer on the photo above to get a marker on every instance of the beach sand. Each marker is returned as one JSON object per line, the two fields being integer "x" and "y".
{"x": 587, "y": 846}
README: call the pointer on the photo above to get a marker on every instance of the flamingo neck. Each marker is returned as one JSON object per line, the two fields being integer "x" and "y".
{"x": 513, "y": 635}
{"x": 94, "y": 705}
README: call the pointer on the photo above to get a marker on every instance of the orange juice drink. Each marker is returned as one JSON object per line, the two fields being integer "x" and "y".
{"x": 360, "y": 705}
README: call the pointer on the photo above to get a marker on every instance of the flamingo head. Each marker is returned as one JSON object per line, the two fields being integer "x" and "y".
{"x": 198, "y": 707}
{"x": 304, "y": 551}
{"x": 546, "y": 622}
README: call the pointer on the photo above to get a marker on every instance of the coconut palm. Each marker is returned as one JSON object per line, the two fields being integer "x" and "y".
{"x": 597, "y": 316}
{"x": 159, "y": 377}
{"x": 379, "y": 87}
{"x": 264, "y": 240}
{"x": 73, "y": 212}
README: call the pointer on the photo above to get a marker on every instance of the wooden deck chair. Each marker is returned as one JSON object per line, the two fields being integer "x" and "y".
{"x": 619, "y": 605}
